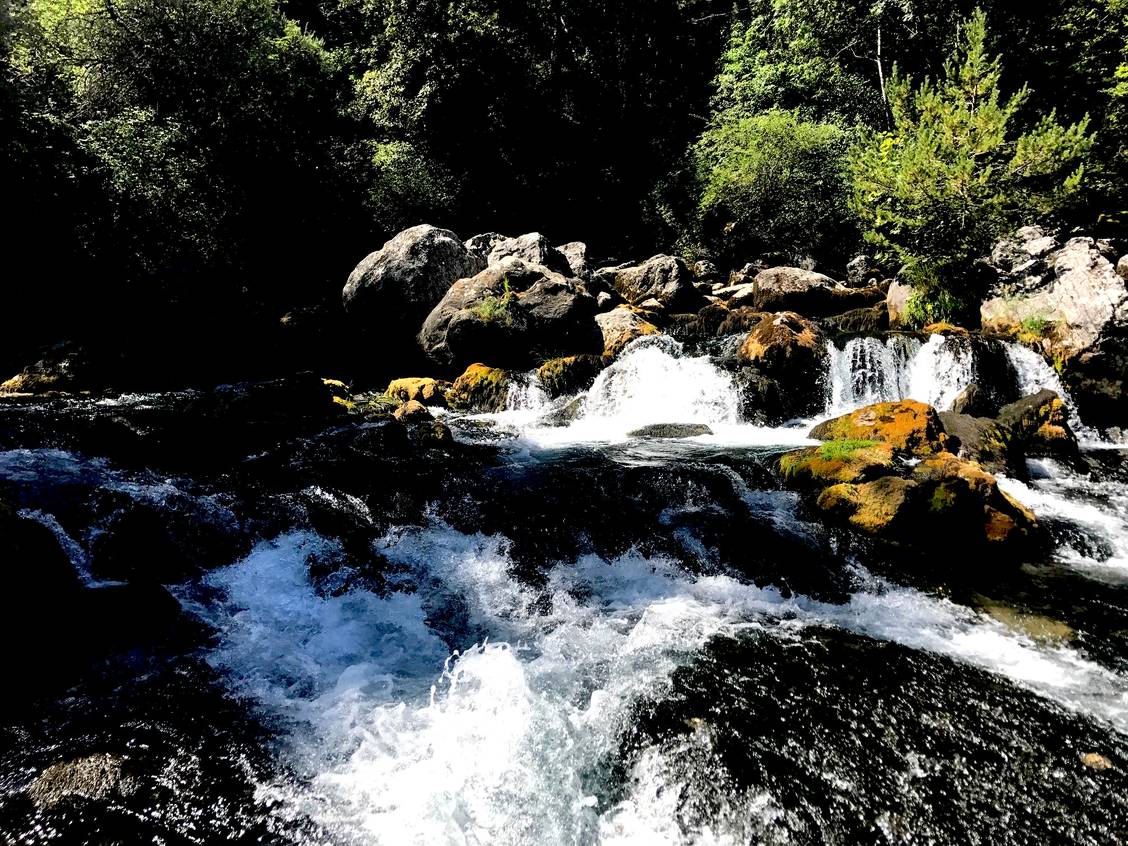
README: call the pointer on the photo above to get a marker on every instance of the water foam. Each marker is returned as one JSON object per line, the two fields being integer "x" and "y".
{"x": 476, "y": 709}
{"x": 1098, "y": 508}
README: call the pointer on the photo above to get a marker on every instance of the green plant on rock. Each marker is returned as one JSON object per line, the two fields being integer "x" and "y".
{"x": 843, "y": 450}
{"x": 961, "y": 166}
{"x": 499, "y": 310}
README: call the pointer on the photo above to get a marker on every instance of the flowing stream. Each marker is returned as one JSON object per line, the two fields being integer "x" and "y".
{"x": 591, "y": 638}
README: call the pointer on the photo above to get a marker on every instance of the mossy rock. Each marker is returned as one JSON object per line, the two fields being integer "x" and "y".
{"x": 876, "y": 508}
{"x": 908, "y": 426}
{"x": 837, "y": 461}
{"x": 944, "y": 328}
{"x": 571, "y": 374}
{"x": 421, "y": 389}
{"x": 412, "y": 411}
{"x": 481, "y": 389}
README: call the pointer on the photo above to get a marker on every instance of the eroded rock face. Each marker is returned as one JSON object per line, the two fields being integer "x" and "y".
{"x": 1075, "y": 288}
{"x": 397, "y": 285}
{"x": 806, "y": 292}
{"x": 1077, "y": 300}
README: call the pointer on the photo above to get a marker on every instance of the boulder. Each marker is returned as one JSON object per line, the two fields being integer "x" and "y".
{"x": 481, "y": 389}
{"x": 743, "y": 294}
{"x": 570, "y": 375}
{"x": 619, "y": 327}
{"x": 395, "y": 287}
{"x": 65, "y": 368}
{"x": 836, "y": 462}
{"x": 860, "y": 321}
{"x": 897, "y": 301}
{"x": 974, "y": 401}
{"x": 705, "y": 271}
{"x": 421, "y": 389}
{"x": 1024, "y": 252}
{"x": 576, "y": 254}
{"x": 481, "y": 245}
{"x": 1122, "y": 267}
{"x": 909, "y": 427}
{"x": 412, "y": 411}
{"x": 532, "y": 248}
{"x": 946, "y": 507}
{"x": 671, "y": 431}
{"x": 509, "y": 314}
{"x": 662, "y": 277}
{"x": 1032, "y": 427}
{"x": 786, "y": 347}
{"x": 807, "y": 292}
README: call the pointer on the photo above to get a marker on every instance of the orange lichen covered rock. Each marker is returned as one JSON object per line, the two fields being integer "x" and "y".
{"x": 908, "y": 426}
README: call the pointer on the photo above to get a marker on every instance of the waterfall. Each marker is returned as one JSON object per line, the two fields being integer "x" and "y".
{"x": 869, "y": 370}
{"x": 655, "y": 382}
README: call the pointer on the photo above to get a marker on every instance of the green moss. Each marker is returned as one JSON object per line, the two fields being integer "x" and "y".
{"x": 942, "y": 499}
{"x": 843, "y": 450}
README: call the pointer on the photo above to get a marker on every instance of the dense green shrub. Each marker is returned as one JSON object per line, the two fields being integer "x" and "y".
{"x": 773, "y": 183}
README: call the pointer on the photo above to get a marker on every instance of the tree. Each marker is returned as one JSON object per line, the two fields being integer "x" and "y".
{"x": 776, "y": 184}
{"x": 958, "y": 169}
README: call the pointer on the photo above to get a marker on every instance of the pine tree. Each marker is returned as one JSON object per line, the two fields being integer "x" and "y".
{"x": 957, "y": 170}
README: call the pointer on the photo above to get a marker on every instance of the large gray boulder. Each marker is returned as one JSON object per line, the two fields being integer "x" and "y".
{"x": 533, "y": 248}
{"x": 1076, "y": 298}
{"x": 1076, "y": 288}
{"x": 510, "y": 314}
{"x": 576, "y": 254}
{"x": 808, "y": 293}
{"x": 665, "y": 278}
{"x": 402, "y": 281}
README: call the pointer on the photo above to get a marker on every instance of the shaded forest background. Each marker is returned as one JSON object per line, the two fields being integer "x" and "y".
{"x": 184, "y": 173}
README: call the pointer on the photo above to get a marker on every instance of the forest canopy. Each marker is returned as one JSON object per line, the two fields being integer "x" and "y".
{"x": 242, "y": 155}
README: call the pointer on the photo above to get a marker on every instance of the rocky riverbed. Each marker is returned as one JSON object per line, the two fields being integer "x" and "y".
{"x": 632, "y": 553}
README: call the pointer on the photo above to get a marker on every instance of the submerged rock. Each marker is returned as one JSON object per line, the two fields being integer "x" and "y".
{"x": 671, "y": 431}
{"x": 96, "y": 777}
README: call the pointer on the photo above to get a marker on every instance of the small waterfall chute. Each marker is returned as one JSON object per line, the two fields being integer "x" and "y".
{"x": 654, "y": 381}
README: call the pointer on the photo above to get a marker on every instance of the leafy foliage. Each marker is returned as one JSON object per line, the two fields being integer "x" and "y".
{"x": 956, "y": 170}
{"x": 774, "y": 183}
